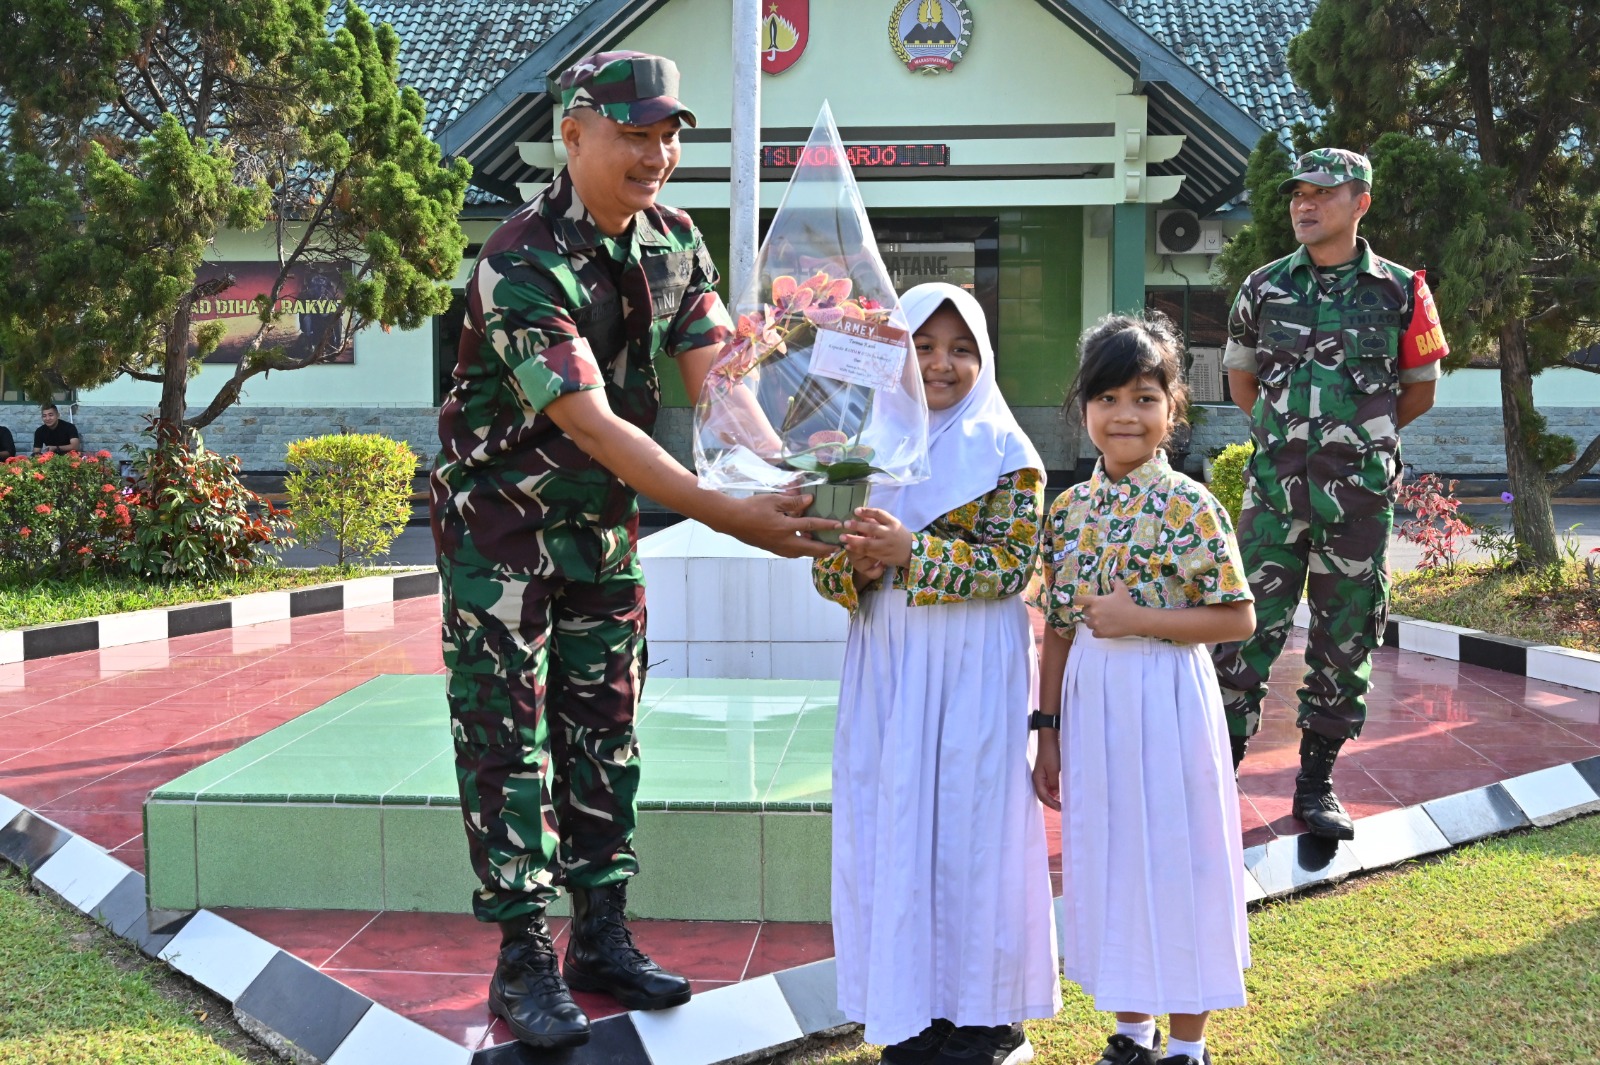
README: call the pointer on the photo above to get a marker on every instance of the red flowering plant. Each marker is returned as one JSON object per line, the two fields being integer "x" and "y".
{"x": 195, "y": 519}
{"x": 819, "y": 386}
{"x": 62, "y": 514}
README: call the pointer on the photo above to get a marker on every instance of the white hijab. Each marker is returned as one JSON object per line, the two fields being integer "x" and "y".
{"x": 970, "y": 445}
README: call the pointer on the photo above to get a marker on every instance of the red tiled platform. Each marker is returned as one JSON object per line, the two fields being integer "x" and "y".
{"x": 84, "y": 737}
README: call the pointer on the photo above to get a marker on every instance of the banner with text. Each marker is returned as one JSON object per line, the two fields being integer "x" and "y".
{"x": 307, "y": 310}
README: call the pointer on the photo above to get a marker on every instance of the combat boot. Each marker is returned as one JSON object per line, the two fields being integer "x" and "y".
{"x": 601, "y": 955}
{"x": 1314, "y": 801}
{"x": 1240, "y": 744}
{"x": 527, "y": 989}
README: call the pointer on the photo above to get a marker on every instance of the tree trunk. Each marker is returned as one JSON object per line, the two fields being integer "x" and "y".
{"x": 1531, "y": 517}
{"x": 175, "y": 372}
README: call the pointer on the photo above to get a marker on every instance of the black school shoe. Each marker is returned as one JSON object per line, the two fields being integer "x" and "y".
{"x": 1122, "y": 1050}
{"x": 1004, "y": 1044}
{"x": 1188, "y": 1059}
{"x": 921, "y": 1048}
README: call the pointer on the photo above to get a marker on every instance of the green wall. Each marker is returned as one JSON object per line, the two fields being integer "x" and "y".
{"x": 1041, "y": 313}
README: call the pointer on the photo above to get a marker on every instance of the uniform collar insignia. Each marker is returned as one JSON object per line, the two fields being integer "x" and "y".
{"x": 645, "y": 232}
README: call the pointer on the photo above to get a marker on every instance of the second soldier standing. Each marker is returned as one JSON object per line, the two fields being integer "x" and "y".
{"x": 1332, "y": 351}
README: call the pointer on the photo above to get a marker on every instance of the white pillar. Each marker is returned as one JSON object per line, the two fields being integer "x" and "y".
{"x": 744, "y": 172}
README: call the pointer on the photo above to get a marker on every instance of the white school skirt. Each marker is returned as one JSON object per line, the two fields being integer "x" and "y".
{"x": 941, "y": 882}
{"x": 1151, "y": 857}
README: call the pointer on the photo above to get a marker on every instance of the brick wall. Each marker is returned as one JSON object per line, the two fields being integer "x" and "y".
{"x": 1454, "y": 440}
{"x": 261, "y": 435}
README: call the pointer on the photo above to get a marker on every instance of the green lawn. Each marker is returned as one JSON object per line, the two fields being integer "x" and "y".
{"x": 72, "y": 994}
{"x": 1560, "y": 606}
{"x": 43, "y": 602}
{"x": 1490, "y": 955}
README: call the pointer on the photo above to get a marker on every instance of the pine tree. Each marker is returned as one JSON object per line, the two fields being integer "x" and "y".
{"x": 142, "y": 129}
{"x": 1481, "y": 118}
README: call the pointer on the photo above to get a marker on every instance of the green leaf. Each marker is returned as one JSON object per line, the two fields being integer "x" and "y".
{"x": 849, "y": 470}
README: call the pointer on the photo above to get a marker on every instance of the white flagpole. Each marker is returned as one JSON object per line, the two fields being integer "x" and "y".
{"x": 744, "y": 171}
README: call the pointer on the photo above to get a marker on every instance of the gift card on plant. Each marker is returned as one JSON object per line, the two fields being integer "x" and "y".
{"x": 862, "y": 353}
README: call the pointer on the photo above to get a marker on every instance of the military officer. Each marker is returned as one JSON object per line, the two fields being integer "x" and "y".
{"x": 1332, "y": 351}
{"x": 545, "y": 440}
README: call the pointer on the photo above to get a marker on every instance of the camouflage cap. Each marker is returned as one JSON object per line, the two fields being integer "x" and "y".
{"x": 634, "y": 88}
{"x": 1329, "y": 167}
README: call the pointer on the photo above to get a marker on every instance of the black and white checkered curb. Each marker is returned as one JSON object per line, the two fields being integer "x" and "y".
{"x": 141, "y": 626}
{"x": 310, "y": 1017}
{"x": 1536, "y": 661}
{"x": 1559, "y": 665}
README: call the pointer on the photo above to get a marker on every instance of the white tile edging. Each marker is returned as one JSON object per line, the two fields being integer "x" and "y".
{"x": 1557, "y": 665}
{"x": 147, "y": 626}
{"x": 218, "y": 954}
{"x": 750, "y": 1017}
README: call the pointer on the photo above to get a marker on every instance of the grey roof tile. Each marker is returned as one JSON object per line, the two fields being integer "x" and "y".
{"x": 1240, "y": 46}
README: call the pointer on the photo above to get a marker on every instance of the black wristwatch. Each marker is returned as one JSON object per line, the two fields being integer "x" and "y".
{"x": 1037, "y": 721}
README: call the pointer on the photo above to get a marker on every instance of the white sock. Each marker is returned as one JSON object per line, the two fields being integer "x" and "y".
{"x": 1196, "y": 1050}
{"x": 1141, "y": 1032}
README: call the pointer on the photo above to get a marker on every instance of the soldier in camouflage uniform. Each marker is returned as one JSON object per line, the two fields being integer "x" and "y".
{"x": 1331, "y": 351}
{"x": 545, "y": 439}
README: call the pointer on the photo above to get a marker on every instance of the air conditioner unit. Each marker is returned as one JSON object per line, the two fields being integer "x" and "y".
{"x": 1180, "y": 232}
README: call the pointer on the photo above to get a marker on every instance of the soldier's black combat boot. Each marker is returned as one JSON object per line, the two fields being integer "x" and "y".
{"x": 1240, "y": 743}
{"x": 1314, "y": 800}
{"x": 527, "y": 989}
{"x": 601, "y": 955}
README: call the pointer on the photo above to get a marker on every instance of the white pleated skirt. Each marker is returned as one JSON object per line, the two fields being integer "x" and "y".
{"x": 1151, "y": 857}
{"x": 941, "y": 883}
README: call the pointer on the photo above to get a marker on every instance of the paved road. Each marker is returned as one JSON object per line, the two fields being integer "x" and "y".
{"x": 1580, "y": 521}
{"x": 415, "y": 546}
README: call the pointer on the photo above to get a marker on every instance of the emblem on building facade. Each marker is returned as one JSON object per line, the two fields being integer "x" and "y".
{"x": 930, "y": 36}
{"x": 785, "y": 29}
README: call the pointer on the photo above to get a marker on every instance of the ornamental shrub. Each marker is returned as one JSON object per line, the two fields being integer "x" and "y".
{"x": 1227, "y": 478}
{"x": 62, "y": 514}
{"x": 1435, "y": 525}
{"x": 352, "y": 490}
{"x": 196, "y": 520}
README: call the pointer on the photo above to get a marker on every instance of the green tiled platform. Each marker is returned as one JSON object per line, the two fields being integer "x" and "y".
{"x": 353, "y": 806}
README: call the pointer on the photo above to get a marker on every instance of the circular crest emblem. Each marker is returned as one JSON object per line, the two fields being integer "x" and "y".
{"x": 930, "y": 36}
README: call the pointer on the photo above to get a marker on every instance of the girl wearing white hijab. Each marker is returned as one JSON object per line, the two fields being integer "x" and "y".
{"x": 942, "y": 918}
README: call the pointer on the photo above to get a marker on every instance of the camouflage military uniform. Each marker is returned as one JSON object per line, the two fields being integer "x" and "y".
{"x": 1326, "y": 348}
{"x": 543, "y": 598}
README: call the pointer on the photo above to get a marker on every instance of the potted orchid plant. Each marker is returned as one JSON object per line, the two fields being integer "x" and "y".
{"x": 818, "y": 391}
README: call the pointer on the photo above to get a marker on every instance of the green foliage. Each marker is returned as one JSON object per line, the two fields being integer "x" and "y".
{"x": 196, "y": 520}
{"x": 61, "y": 515}
{"x": 353, "y": 489}
{"x": 1481, "y": 121}
{"x": 71, "y": 992}
{"x": 1497, "y": 542}
{"x": 1269, "y": 235}
{"x": 141, "y": 131}
{"x": 1227, "y": 478}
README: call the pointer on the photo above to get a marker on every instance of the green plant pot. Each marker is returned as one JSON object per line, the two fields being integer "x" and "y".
{"x": 838, "y": 502}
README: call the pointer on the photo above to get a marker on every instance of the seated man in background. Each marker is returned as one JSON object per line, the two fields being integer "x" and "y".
{"x": 8, "y": 446}
{"x": 55, "y": 436}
